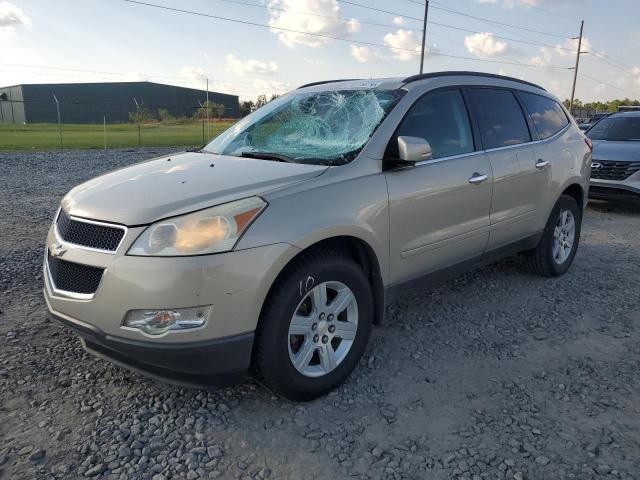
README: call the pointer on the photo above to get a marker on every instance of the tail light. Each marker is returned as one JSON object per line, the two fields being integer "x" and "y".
{"x": 589, "y": 143}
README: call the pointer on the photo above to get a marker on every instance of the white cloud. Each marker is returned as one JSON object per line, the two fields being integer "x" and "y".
{"x": 193, "y": 74}
{"x": 521, "y": 3}
{"x": 405, "y": 44}
{"x": 566, "y": 50}
{"x": 558, "y": 88}
{"x": 398, "y": 21}
{"x": 484, "y": 44}
{"x": 328, "y": 22}
{"x": 12, "y": 16}
{"x": 365, "y": 54}
{"x": 270, "y": 87}
{"x": 256, "y": 67}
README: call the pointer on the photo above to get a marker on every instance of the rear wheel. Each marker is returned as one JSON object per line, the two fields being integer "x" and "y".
{"x": 314, "y": 327}
{"x": 557, "y": 248}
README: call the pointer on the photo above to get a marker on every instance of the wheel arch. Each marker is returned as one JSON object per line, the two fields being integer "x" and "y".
{"x": 356, "y": 248}
{"x": 575, "y": 190}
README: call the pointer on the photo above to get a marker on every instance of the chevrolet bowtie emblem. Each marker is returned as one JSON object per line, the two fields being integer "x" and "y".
{"x": 57, "y": 250}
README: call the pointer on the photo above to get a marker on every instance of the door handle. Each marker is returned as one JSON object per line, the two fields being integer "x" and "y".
{"x": 540, "y": 164}
{"x": 477, "y": 178}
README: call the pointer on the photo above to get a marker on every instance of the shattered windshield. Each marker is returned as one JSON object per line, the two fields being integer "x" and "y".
{"x": 328, "y": 127}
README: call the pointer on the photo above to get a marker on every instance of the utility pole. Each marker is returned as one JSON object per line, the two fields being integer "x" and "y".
{"x": 202, "y": 107}
{"x": 59, "y": 121}
{"x": 424, "y": 33}
{"x": 207, "y": 104}
{"x": 575, "y": 70}
{"x": 138, "y": 120}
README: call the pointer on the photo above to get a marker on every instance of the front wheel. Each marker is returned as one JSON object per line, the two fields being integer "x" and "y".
{"x": 557, "y": 248}
{"x": 314, "y": 327}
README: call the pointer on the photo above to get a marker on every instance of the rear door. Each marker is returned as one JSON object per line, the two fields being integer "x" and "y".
{"x": 507, "y": 139}
{"x": 439, "y": 208}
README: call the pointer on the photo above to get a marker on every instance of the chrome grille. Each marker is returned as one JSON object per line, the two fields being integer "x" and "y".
{"x": 73, "y": 277}
{"x": 89, "y": 234}
{"x": 611, "y": 170}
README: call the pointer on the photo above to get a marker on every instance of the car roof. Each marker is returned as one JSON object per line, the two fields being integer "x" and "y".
{"x": 398, "y": 82}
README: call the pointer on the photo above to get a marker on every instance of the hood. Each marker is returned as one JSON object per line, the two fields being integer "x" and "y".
{"x": 177, "y": 184}
{"x": 617, "y": 151}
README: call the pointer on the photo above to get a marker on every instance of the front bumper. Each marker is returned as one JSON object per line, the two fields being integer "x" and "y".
{"x": 235, "y": 284}
{"x": 197, "y": 364}
{"x": 624, "y": 191}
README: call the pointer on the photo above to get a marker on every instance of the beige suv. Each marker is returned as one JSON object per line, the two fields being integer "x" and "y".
{"x": 277, "y": 246}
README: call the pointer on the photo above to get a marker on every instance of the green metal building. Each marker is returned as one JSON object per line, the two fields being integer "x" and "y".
{"x": 97, "y": 102}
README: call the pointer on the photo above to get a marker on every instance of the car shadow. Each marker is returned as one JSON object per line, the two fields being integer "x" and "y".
{"x": 622, "y": 208}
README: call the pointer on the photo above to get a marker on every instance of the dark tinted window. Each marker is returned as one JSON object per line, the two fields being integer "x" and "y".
{"x": 616, "y": 129}
{"x": 502, "y": 122}
{"x": 440, "y": 118}
{"x": 547, "y": 115}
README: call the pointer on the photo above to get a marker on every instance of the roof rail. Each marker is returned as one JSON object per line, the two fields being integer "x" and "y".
{"x": 313, "y": 84}
{"x": 424, "y": 76}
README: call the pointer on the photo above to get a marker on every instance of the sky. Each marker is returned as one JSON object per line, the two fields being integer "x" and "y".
{"x": 64, "y": 41}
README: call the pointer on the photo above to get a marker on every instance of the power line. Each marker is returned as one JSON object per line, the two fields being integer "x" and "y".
{"x": 262, "y": 25}
{"x": 495, "y": 22}
{"x": 349, "y": 2}
{"x": 151, "y": 75}
{"x": 500, "y": 37}
{"x": 444, "y": 25}
{"x": 162, "y": 7}
{"x": 342, "y": 20}
{"x": 628, "y": 92}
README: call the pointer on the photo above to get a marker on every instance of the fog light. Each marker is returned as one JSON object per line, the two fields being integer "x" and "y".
{"x": 157, "y": 322}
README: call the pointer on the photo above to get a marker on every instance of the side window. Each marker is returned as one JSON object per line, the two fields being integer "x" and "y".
{"x": 440, "y": 118}
{"x": 502, "y": 122}
{"x": 547, "y": 115}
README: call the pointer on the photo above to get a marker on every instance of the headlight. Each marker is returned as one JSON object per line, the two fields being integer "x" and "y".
{"x": 212, "y": 230}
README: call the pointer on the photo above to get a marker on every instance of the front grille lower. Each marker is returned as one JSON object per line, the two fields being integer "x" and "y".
{"x": 74, "y": 277}
{"x": 91, "y": 235}
{"x": 611, "y": 170}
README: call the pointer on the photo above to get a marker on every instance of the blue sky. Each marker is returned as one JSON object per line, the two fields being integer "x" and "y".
{"x": 67, "y": 40}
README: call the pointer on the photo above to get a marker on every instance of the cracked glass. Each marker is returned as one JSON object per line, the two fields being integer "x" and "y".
{"x": 327, "y": 127}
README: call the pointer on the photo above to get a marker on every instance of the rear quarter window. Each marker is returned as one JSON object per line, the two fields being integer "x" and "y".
{"x": 502, "y": 122}
{"x": 547, "y": 115}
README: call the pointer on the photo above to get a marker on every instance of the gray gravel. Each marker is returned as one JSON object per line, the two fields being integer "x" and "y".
{"x": 495, "y": 374}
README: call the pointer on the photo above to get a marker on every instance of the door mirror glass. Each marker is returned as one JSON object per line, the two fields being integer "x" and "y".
{"x": 413, "y": 149}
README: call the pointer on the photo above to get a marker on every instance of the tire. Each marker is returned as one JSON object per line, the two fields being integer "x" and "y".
{"x": 298, "y": 291}
{"x": 545, "y": 259}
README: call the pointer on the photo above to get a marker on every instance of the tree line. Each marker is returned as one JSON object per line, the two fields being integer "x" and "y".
{"x": 208, "y": 109}
{"x": 610, "y": 106}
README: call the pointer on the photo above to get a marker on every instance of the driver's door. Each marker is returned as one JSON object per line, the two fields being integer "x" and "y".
{"x": 439, "y": 208}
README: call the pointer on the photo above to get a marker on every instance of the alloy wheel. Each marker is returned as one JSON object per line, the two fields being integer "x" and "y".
{"x": 323, "y": 329}
{"x": 563, "y": 236}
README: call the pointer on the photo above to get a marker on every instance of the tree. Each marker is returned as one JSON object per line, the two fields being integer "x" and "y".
{"x": 141, "y": 115}
{"x": 261, "y": 101}
{"x": 246, "y": 107}
{"x": 165, "y": 116}
{"x": 215, "y": 110}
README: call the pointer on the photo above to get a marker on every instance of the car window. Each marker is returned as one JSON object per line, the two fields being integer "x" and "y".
{"x": 548, "y": 117}
{"x": 616, "y": 129}
{"x": 440, "y": 118}
{"x": 502, "y": 122}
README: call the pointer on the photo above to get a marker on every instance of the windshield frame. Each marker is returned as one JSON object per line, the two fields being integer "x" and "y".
{"x": 260, "y": 117}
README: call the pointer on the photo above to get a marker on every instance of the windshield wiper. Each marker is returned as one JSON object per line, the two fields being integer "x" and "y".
{"x": 268, "y": 156}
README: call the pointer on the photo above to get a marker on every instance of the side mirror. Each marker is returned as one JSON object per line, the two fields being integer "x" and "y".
{"x": 413, "y": 149}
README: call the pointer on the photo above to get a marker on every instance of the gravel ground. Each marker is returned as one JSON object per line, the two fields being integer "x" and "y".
{"x": 495, "y": 374}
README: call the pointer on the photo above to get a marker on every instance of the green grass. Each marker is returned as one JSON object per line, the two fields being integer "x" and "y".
{"x": 44, "y": 136}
